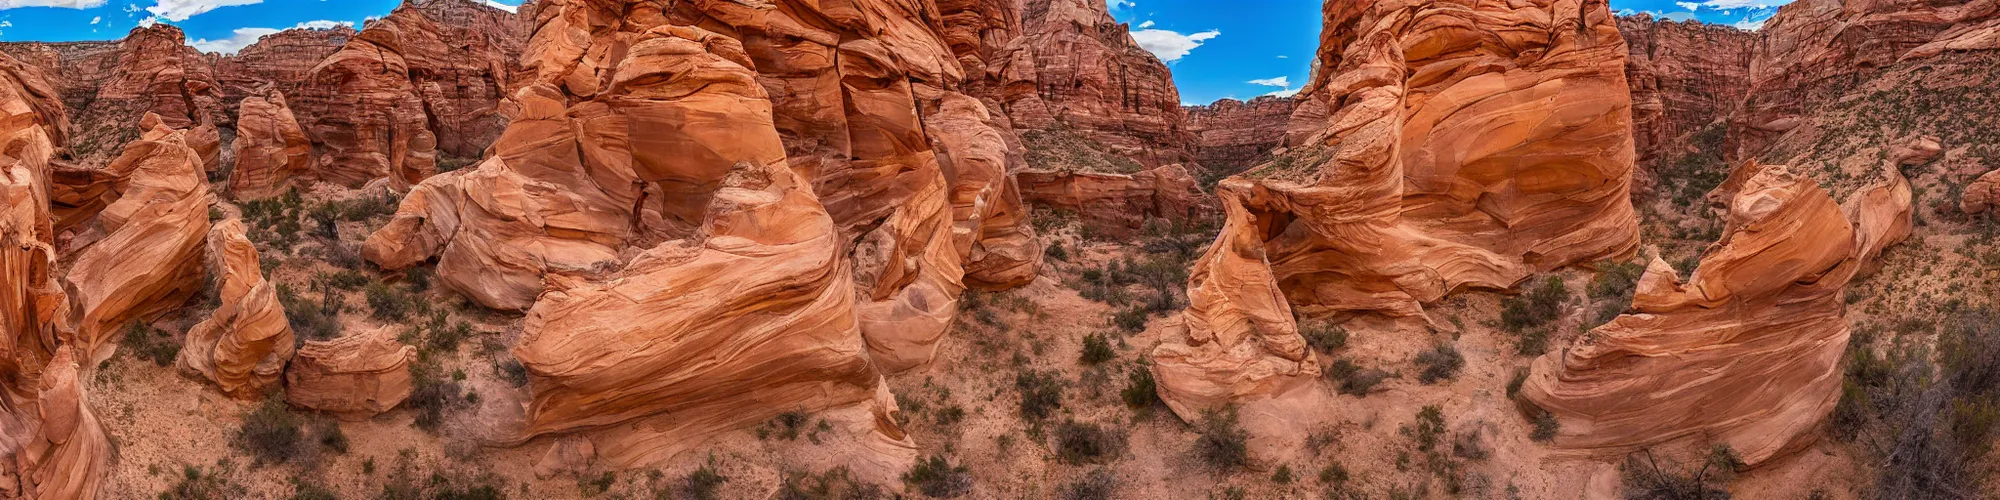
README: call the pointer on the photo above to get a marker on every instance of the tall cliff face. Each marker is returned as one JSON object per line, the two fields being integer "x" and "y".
{"x": 1232, "y": 136}
{"x": 1687, "y": 78}
{"x": 110, "y": 85}
{"x": 1093, "y": 79}
{"x": 282, "y": 60}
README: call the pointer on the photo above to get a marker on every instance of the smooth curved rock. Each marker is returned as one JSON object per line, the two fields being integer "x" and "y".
{"x": 353, "y": 377}
{"x": 1747, "y": 352}
{"x": 32, "y": 302}
{"x": 271, "y": 149}
{"x": 150, "y": 260}
{"x": 244, "y": 345}
{"x": 70, "y": 454}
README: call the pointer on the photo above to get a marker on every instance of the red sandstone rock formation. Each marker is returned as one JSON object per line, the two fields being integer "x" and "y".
{"x": 1685, "y": 76}
{"x": 1816, "y": 50}
{"x": 67, "y": 454}
{"x": 423, "y": 82}
{"x": 1427, "y": 161}
{"x": 353, "y": 377}
{"x": 1747, "y": 351}
{"x": 1232, "y": 136}
{"x": 281, "y": 61}
{"x": 270, "y": 149}
{"x": 1117, "y": 203}
{"x": 244, "y": 345}
{"x": 1090, "y": 75}
{"x": 150, "y": 258}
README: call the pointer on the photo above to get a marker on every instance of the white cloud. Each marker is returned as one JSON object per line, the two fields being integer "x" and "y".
{"x": 6, "y": 24}
{"x": 1171, "y": 46}
{"x": 1741, "y": 4}
{"x": 67, "y": 4}
{"x": 1281, "y": 82}
{"x": 502, "y": 6}
{"x": 1284, "y": 57}
{"x": 1144, "y": 25}
{"x": 1748, "y": 25}
{"x": 149, "y": 21}
{"x": 1689, "y": 5}
{"x": 96, "y": 19}
{"x": 1285, "y": 93}
{"x": 180, "y": 10}
{"x": 323, "y": 25}
{"x": 243, "y": 37}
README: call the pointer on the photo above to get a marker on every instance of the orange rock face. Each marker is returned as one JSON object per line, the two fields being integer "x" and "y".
{"x": 32, "y": 303}
{"x": 270, "y": 149}
{"x": 1232, "y": 136}
{"x": 1417, "y": 170}
{"x": 372, "y": 105}
{"x": 354, "y": 377}
{"x": 1684, "y": 77}
{"x": 1746, "y": 352}
{"x": 282, "y": 61}
{"x": 1117, "y": 203}
{"x": 68, "y": 453}
{"x": 1090, "y": 74}
{"x": 150, "y": 258}
{"x": 244, "y": 345}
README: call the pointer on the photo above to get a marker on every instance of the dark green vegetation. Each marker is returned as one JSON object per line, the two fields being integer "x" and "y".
{"x": 1533, "y": 315}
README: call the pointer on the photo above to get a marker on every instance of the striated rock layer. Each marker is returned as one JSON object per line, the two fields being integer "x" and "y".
{"x": 1091, "y": 75}
{"x": 1116, "y": 203}
{"x": 1231, "y": 136}
{"x": 270, "y": 149}
{"x": 353, "y": 377}
{"x": 1685, "y": 76}
{"x": 244, "y": 345}
{"x": 150, "y": 258}
{"x": 1426, "y": 159}
{"x": 1747, "y": 351}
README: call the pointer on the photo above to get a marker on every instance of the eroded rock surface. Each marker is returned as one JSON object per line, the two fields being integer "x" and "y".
{"x": 354, "y": 377}
{"x": 1417, "y": 169}
{"x": 1747, "y": 351}
{"x": 270, "y": 149}
{"x": 244, "y": 345}
{"x": 1090, "y": 74}
{"x": 1232, "y": 136}
{"x": 1686, "y": 77}
{"x": 1116, "y": 203}
{"x": 150, "y": 258}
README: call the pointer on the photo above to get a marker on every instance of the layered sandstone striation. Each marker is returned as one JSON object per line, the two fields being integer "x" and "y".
{"x": 1685, "y": 77}
{"x": 244, "y": 345}
{"x": 67, "y": 453}
{"x": 354, "y": 377}
{"x": 149, "y": 259}
{"x": 1089, "y": 74}
{"x": 1426, "y": 159}
{"x": 282, "y": 61}
{"x": 407, "y": 89}
{"x": 1746, "y": 351}
{"x": 271, "y": 149}
{"x": 1117, "y": 203}
{"x": 1231, "y": 136}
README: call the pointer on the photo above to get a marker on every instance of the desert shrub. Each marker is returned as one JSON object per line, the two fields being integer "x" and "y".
{"x": 1540, "y": 306}
{"x": 702, "y": 484}
{"x": 1940, "y": 424}
{"x": 835, "y": 484}
{"x": 1352, "y": 379}
{"x": 1132, "y": 319}
{"x": 511, "y": 370}
{"x": 390, "y": 304}
{"x": 786, "y": 426}
{"x": 152, "y": 344}
{"x": 196, "y": 483}
{"x": 1646, "y": 478}
{"x": 1283, "y": 475}
{"x": 1322, "y": 336}
{"x": 937, "y": 477}
{"x": 1439, "y": 364}
{"x": 302, "y": 490}
{"x": 1056, "y": 252}
{"x": 271, "y": 433}
{"x": 1222, "y": 442}
{"x": 1080, "y": 442}
{"x": 327, "y": 432}
{"x": 1140, "y": 389}
{"x": 419, "y": 278}
{"x": 1096, "y": 350}
{"x": 1429, "y": 429}
{"x": 1099, "y": 484}
{"x": 1546, "y": 425}
{"x": 1041, "y": 393}
{"x": 408, "y": 483}
{"x": 1514, "y": 384}
{"x": 310, "y": 319}
{"x": 1333, "y": 474}
{"x": 431, "y": 396}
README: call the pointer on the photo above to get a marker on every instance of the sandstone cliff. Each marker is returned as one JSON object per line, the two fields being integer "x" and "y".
{"x": 1414, "y": 174}
{"x": 1687, "y": 80}
{"x": 1231, "y": 136}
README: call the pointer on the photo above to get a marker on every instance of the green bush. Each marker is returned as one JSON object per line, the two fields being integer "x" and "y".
{"x": 1429, "y": 429}
{"x": 390, "y": 304}
{"x": 835, "y": 484}
{"x": 431, "y": 396}
{"x": 152, "y": 344}
{"x": 703, "y": 483}
{"x": 1545, "y": 425}
{"x": 1140, "y": 389}
{"x": 271, "y": 434}
{"x": 1323, "y": 337}
{"x": 198, "y": 484}
{"x": 1080, "y": 443}
{"x": 1352, "y": 379}
{"x": 1041, "y": 394}
{"x": 1096, "y": 350}
{"x": 786, "y": 426}
{"x": 1647, "y": 478}
{"x": 1540, "y": 306}
{"x": 1439, "y": 364}
{"x": 1099, "y": 484}
{"x": 1222, "y": 443}
{"x": 1514, "y": 384}
{"x": 938, "y": 478}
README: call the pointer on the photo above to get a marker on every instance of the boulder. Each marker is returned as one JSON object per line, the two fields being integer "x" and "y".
{"x": 271, "y": 150}
{"x": 244, "y": 345}
{"x": 1747, "y": 351}
{"x": 353, "y": 377}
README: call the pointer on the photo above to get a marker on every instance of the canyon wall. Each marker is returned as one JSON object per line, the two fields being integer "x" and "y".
{"x": 1687, "y": 78}
{"x": 1231, "y": 136}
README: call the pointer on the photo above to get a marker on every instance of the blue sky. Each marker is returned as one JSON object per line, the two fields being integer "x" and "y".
{"x": 1238, "y": 49}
